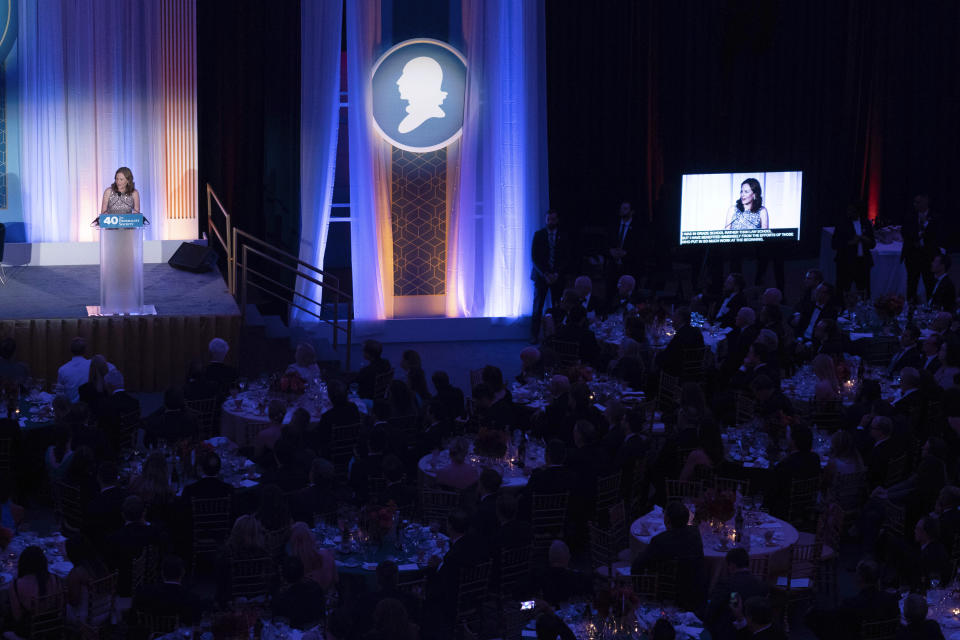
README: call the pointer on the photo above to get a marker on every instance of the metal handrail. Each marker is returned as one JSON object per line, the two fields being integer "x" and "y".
{"x": 214, "y": 232}
{"x": 336, "y": 281}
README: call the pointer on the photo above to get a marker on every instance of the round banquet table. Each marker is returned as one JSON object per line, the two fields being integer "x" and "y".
{"x": 250, "y": 407}
{"x": 778, "y": 550}
{"x": 514, "y": 477}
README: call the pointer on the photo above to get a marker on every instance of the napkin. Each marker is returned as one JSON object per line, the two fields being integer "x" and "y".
{"x": 246, "y": 482}
{"x": 409, "y": 567}
{"x": 218, "y": 441}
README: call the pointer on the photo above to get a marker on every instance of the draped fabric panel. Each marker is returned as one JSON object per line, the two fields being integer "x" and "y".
{"x": 371, "y": 238}
{"x": 502, "y": 160}
{"x": 149, "y": 350}
{"x": 320, "y": 26}
{"x": 104, "y": 84}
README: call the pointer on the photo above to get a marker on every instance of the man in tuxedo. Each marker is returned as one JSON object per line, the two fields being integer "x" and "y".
{"x": 210, "y": 485}
{"x": 821, "y": 309}
{"x": 103, "y": 510}
{"x": 341, "y": 413}
{"x": 685, "y": 337}
{"x": 733, "y": 300}
{"x": 554, "y": 476}
{"x": 909, "y": 354}
{"x": 512, "y": 532}
{"x": 948, "y": 509}
{"x": 738, "y": 580}
{"x": 883, "y": 450}
{"x": 754, "y": 619}
{"x": 366, "y": 377}
{"x": 800, "y": 463}
{"x": 757, "y": 363}
{"x": 812, "y": 278}
{"x": 852, "y": 240}
{"x": 116, "y": 405}
{"x": 172, "y": 422}
{"x": 367, "y": 461}
{"x": 396, "y": 489}
{"x": 931, "y": 353}
{"x": 680, "y": 542}
{"x": 922, "y": 235}
{"x": 626, "y": 298}
{"x": 591, "y": 304}
{"x": 169, "y": 597}
{"x": 76, "y": 371}
{"x": 625, "y": 242}
{"x": 298, "y": 601}
{"x": 944, "y": 294}
{"x": 484, "y": 519}
{"x": 129, "y": 541}
{"x": 912, "y": 401}
{"x": 550, "y": 253}
{"x": 218, "y": 371}
{"x": 467, "y": 550}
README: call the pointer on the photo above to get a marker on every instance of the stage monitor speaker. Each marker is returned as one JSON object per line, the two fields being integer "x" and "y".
{"x": 193, "y": 257}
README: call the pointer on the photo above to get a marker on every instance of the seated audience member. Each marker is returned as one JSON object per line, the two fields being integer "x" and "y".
{"x": 918, "y": 626}
{"x": 129, "y": 542}
{"x": 930, "y": 561}
{"x": 625, "y": 300}
{"x": 94, "y": 390}
{"x": 59, "y": 455}
{"x": 153, "y": 487}
{"x": 450, "y": 396}
{"x": 844, "y": 460}
{"x": 556, "y": 316}
{"x": 945, "y": 375}
{"x": 318, "y": 565}
{"x": 209, "y": 485}
{"x": 273, "y": 513}
{"x": 341, "y": 412}
{"x": 558, "y": 583}
{"x": 870, "y": 604}
{"x": 169, "y": 597}
{"x": 367, "y": 461}
{"x": 685, "y": 337}
{"x": 744, "y": 333}
{"x": 245, "y": 542}
{"x": 822, "y": 308}
{"x": 103, "y": 511}
{"x": 402, "y": 400}
{"x": 948, "y": 510}
{"x": 305, "y": 363}
{"x": 217, "y": 371}
{"x": 708, "y": 455}
{"x": 268, "y": 436}
{"x": 771, "y": 401}
{"x": 87, "y": 567}
{"x": 396, "y": 490}
{"x": 531, "y": 366}
{"x": 931, "y": 353}
{"x": 576, "y": 330}
{"x": 800, "y": 463}
{"x": 484, "y": 519}
{"x": 512, "y": 533}
{"x": 366, "y": 377}
{"x": 443, "y": 574}
{"x": 76, "y": 371}
{"x": 436, "y": 428}
{"x": 317, "y": 498}
{"x": 459, "y": 474}
{"x": 629, "y": 366}
{"x": 758, "y": 362}
{"x": 491, "y": 413}
{"x": 387, "y": 580}
{"x": 909, "y": 354}
{"x": 588, "y": 301}
{"x": 116, "y": 407}
{"x": 812, "y": 278}
{"x": 828, "y": 386}
{"x": 884, "y": 449}
{"x": 173, "y": 422}
{"x": 944, "y": 294}
{"x": 33, "y": 582}
{"x": 392, "y": 622}
{"x": 197, "y": 386}
{"x": 554, "y": 476}
{"x": 755, "y": 617}
{"x": 680, "y": 542}
{"x": 869, "y": 402}
{"x": 298, "y": 601}
{"x": 733, "y": 299}
{"x": 10, "y": 368}
{"x": 912, "y": 401}
{"x": 737, "y": 581}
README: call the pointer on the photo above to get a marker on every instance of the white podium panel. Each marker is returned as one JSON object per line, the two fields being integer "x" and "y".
{"x": 121, "y": 271}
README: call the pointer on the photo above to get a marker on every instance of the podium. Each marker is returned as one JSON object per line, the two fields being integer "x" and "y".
{"x": 121, "y": 266}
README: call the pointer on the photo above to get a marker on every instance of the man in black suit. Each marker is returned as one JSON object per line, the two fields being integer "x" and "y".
{"x": 912, "y": 403}
{"x": 918, "y": 626}
{"x": 625, "y": 242}
{"x": 210, "y": 485}
{"x": 948, "y": 508}
{"x": 625, "y": 299}
{"x": 103, "y": 511}
{"x": 930, "y": 561}
{"x": 449, "y": 395}
{"x": 367, "y": 461}
{"x": 931, "y": 353}
{"x": 172, "y": 422}
{"x": 485, "y": 520}
{"x": 733, "y": 299}
{"x": 719, "y": 619}
{"x": 554, "y": 476}
{"x": 467, "y": 550}
{"x": 754, "y": 619}
{"x": 812, "y": 278}
{"x": 512, "y": 533}
{"x": 884, "y": 449}
{"x": 129, "y": 541}
{"x": 318, "y": 497}
{"x": 633, "y": 450}
{"x": 685, "y": 337}
{"x": 217, "y": 371}
{"x": 870, "y": 604}
{"x": 589, "y": 461}
{"x": 909, "y": 354}
{"x": 852, "y": 240}
{"x": 591, "y": 304}
{"x": 800, "y": 463}
{"x": 680, "y": 542}
{"x": 944, "y": 294}
{"x": 169, "y": 597}
{"x": 341, "y": 413}
{"x": 744, "y": 333}
{"x": 366, "y": 377}
{"x": 922, "y": 237}
{"x": 576, "y": 329}
{"x": 387, "y": 581}
{"x": 756, "y": 363}
{"x": 298, "y": 602}
{"x": 550, "y": 253}
{"x": 822, "y": 309}
{"x": 116, "y": 405}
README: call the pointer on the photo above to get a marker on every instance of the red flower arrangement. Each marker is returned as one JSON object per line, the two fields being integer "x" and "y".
{"x": 718, "y": 506}
{"x": 843, "y": 371}
{"x": 619, "y": 601}
{"x": 377, "y": 521}
{"x": 291, "y": 382}
{"x": 490, "y": 443}
{"x": 889, "y": 305}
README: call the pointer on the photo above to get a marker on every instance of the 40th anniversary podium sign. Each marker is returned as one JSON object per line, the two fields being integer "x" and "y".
{"x": 121, "y": 266}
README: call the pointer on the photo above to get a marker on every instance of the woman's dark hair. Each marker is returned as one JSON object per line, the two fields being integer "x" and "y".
{"x": 126, "y": 174}
{"x": 33, "y": 562}
{"x": 754, "y": 185}
{"x": 390, "y": 620}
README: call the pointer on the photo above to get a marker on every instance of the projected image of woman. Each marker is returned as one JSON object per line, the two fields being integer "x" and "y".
{"x": 122, "y": 196}
{"x": 748, "y": 212}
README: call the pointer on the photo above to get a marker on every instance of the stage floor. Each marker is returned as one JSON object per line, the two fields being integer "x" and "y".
{"x": 65, "y": 292}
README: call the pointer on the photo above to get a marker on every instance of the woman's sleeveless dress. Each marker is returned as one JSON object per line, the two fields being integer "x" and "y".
{"x": 745, "y": 220}
{"x": 119, "y": 203}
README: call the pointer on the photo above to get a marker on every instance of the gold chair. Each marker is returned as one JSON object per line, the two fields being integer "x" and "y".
{"x": 274, "y": 541}
{"x": 694, "y": 364}
{"x": 802, "y": 501}
{"x": 127, "y": 429}
{"x": 568, "y": 353}
{"x": 251, "y": 578}
{"x": 376, "y": 486}
{"x": 472, "y": 589}
{"x": 608, "y": 491}
{"x": 732, "y": 485}
{"x": 645, "y": 585}
{"x": 548, "y": 515}
{"x": 343, "y": 438}
{"x": 760, "y": 567}
{"x": 668, "y": 395}
{"x": 827, "y": 414}
{"x": 68, "y": 506}
{"x": 606, "y": 553}
{"x": 514, "y": 570}
{"x": 682, "y": 491}
{"x": 205, "y": 411}
{"x": 436, "y": 504}
{"x": 800, "y": 581}
{"x": 211, "y": 525}
{"x": 895, "y": 517}
{"x": 746, "y": 409}
{"x": 46, "y": 623}
{"x": 249, "y": 431}
{"x": 102, "y": 598}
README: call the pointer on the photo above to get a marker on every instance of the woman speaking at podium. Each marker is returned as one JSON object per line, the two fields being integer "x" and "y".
{"x": 121, "y": 196}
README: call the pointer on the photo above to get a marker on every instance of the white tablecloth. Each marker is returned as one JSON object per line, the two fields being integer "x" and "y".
{"x": 513, "y": 476}
{"x": 887, "y": 275}
{"x": 244, "y": 408}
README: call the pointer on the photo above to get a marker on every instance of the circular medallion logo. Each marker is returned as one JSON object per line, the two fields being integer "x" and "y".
{"x": 418, "y": 94}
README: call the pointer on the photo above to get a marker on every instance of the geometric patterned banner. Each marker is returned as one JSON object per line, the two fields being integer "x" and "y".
{"x": 419, "y": 220}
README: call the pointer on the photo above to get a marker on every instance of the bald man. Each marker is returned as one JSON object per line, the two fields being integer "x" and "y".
{"x": 583, "y": 285}
{"x": 626, "y": 297}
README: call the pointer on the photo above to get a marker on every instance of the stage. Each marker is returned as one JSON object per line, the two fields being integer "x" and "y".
{"x": 44, "y": 307}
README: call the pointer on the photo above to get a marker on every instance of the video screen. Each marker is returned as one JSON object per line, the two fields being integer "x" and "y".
{"x": 721, "y": 208}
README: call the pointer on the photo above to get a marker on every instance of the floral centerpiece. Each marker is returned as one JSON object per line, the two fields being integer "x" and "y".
{"x": 889, "y": 305}
{"x": 192, "y": 453}
{"x": 291, "y": 382}
{"x": 716, "y": 506}
{"x": 491, "y": 443}
{"x": 618, "y": 602}
{"x": 377, "y": 521}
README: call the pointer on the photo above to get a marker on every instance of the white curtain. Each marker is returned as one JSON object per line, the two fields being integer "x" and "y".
{"x": 371, "y": 238}
{"x": 502, "y": 160}
{"x": 320, "y": 26}
{"x": 97, "y": 94}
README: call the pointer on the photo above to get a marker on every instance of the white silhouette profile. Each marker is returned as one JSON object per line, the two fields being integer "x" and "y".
{"x": 419, "y": 85}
